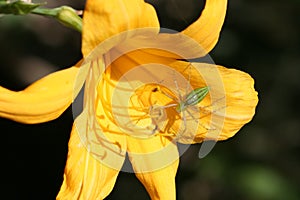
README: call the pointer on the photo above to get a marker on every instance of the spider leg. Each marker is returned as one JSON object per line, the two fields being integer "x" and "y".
{"x": 208, "y": 109}
{"x": 202, "y": 125}
{"x": 155, "y": 113}
{"x": 191, "y": 115}
{"x": 184, "y": 125}
{"x": 189, "y": 78}
{"x": 177, "y": 88}
{"x": 166, "y": 94}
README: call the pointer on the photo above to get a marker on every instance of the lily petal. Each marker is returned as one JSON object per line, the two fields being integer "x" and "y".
{"x": 155, "y": 162}
{"x": 95, "y": 125}
{"x": 85, "y": 177}
{"x": 195, "y": 41}
{"x": 230, "y": 105}
{"x": 207, "y": 28}
{"x": 106, "y": 18}
{"x": 145, "y": 153}
{"x": 44, "y": 100}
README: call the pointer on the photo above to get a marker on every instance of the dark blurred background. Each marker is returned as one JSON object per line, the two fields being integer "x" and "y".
{"x": 262, "y": 161}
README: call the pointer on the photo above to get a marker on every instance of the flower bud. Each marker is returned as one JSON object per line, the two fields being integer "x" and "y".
{"x": 68, "y": 17}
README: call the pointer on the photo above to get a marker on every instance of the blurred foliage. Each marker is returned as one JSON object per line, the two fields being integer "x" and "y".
{"x": 17, "y": 7}
{"x": 64, "y": 14}
{"x": 260, "y": 162}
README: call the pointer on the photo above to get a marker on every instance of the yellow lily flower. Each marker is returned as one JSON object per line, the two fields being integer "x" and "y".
{"x": 126, "y": 112}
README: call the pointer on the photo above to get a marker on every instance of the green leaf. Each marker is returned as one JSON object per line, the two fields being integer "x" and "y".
{"x": 17, "y": 7}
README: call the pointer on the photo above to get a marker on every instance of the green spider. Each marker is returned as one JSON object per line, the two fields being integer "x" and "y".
{"x": 183, "y": 103}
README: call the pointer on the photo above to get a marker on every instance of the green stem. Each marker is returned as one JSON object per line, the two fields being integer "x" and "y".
{"x": 64, "y": 14}
{"x": 44, "y": 12}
